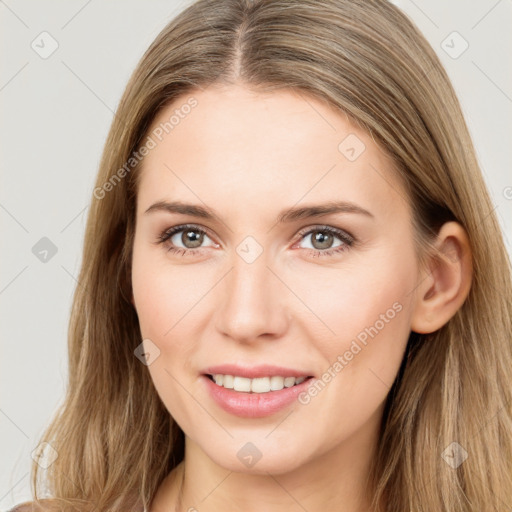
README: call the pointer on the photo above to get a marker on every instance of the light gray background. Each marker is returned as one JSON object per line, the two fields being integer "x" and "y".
{"x": 55, "y": 115}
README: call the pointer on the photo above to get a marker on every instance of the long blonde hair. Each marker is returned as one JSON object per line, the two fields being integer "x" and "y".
{"x": 114, "y": 438}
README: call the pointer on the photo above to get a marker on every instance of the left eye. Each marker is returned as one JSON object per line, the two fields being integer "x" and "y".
{"x": 192, "y": 238}
{"x": 322, "y": 239}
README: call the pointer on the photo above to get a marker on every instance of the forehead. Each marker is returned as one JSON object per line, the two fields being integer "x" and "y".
{"x": 236, "y": 146}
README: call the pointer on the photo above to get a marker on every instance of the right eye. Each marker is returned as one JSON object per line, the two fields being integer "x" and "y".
{"x": 190, "y": 234}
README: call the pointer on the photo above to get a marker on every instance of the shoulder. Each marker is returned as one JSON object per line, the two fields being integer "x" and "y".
{"x": 24, "y": 507}
{"x": 56, "y": 505}
{"x": 32, "y": 506}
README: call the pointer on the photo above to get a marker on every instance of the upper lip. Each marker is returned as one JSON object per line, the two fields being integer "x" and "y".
{"x": 252, "y": 372}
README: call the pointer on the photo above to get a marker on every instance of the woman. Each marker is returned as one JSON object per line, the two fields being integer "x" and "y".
{"x": 217, "y": 362}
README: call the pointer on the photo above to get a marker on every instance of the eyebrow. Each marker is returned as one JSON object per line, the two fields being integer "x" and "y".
{"x": 288, "y": 215}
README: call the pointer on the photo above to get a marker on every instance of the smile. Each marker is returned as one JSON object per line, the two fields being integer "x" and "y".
{"x": 256, "y": 385}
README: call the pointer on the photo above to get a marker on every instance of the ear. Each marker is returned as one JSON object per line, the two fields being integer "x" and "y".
{"x": 444, "y": 285}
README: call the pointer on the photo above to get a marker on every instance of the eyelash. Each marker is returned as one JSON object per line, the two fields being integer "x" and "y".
{"x": 347, "y": 239}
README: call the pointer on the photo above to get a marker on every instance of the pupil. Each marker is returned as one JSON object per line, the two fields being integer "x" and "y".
{"x": 323, "y": 238}
{"x": 192, "y": 237}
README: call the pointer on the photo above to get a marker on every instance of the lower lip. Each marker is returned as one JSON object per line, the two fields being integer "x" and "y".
{"x": 254, "y": 405}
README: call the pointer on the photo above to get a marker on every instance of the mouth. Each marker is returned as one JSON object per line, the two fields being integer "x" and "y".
{"x": 258, "y": 385}
{"x": 255, "y": 396}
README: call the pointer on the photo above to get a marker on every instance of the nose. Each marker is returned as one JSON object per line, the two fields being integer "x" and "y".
{"x": 252, "y": 302}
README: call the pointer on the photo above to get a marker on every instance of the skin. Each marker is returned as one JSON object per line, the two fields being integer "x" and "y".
{"x": 248, "y": 155}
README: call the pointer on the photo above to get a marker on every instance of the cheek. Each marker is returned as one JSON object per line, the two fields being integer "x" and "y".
{"x": 376, "y": 292}
{"x": 167, "y": 304}
{"x": 154, "y": 296}
{"x": 367, "y": 310}
{"x": 162, "y": 313}
{"x": 152, "y": 299}
{"x": 371, "y": 319}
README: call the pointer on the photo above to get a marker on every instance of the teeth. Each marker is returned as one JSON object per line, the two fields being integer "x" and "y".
{"x": 227, "y": 381}
{"x": 276, "y": 383}
{"x": 289, "y": 382}
{"x": 258, "y": 385}
{"x": 241, "y": 384}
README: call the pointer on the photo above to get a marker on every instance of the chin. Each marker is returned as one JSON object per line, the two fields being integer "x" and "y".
{"x": 259, "y": 457}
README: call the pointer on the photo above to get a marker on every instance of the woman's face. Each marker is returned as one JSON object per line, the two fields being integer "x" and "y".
{"x": 328, "y": 296}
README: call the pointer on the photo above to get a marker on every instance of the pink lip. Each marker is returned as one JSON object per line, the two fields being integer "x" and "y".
{"x": 253, "y": 372}
{"x": 254, "y": 405}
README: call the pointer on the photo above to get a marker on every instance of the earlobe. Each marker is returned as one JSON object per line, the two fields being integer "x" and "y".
{"x": 444, "y": 287}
